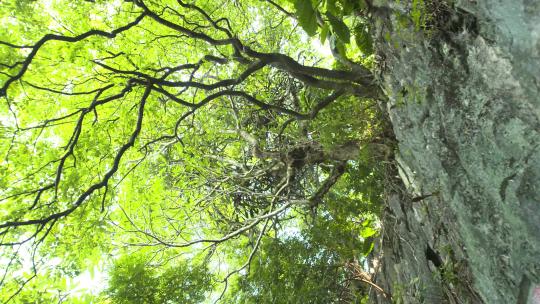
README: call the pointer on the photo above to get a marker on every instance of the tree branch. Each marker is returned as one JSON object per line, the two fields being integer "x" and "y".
{"x": 50, "y": 37}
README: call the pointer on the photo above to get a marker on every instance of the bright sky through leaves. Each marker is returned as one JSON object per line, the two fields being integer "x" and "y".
{"x": 170, "y": 143}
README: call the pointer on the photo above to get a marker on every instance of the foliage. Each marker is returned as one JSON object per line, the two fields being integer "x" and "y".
{"x": 418, "y": 14}
{"x": 292, "y": 271}
{"x": 133, "y": 281}
{"x": 307, "y": 16}
{"x": 337, "y": 17}
{"x": 206, "y": 129}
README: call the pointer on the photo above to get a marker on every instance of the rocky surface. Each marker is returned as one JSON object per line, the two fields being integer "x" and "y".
{"x": 464, "y": 90}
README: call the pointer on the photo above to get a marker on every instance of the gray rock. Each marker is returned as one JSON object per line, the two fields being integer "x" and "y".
{"x": 465, "y": 107}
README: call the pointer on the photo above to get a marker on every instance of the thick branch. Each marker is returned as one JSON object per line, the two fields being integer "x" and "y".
{"x": 307, "y": 74}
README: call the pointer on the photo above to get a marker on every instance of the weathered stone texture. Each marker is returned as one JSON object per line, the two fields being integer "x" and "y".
{"x": 465, "y": 107}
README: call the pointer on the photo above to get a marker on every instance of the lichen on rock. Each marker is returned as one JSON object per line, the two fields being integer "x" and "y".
{"x": 464, "y": 101}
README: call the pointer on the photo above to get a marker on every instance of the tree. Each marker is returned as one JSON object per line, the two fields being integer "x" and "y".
{"x": 171, "y": 125}
{"x": 133, "y": 281}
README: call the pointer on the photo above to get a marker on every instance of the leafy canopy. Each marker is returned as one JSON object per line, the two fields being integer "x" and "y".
{"x": 194, "y": 151}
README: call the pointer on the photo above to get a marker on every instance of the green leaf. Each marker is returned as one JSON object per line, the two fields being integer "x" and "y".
{"x": 306, "y": 16}
{"x": 363, "y": 39}
{"x": 367, "y": 232}
{"x": 367, "y": 247}
{"x": 340, "y": 46}
{"x": 339, "y": 27}
{"x": 360, "y": 5}
{"x": 348, "y": 6}
{"x": 331, "y": 7}
{"x": 324, "y": 32}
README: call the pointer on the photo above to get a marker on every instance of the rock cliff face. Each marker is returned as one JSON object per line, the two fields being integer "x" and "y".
{"x": 463, "y": 81}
